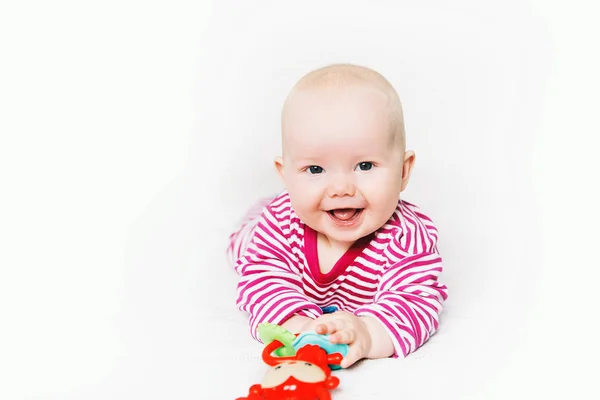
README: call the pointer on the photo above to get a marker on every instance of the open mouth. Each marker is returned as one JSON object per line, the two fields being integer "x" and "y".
{"x": 345, "y": 216}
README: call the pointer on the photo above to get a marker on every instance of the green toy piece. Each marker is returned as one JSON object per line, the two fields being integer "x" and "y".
{"x": 268, "y": 332}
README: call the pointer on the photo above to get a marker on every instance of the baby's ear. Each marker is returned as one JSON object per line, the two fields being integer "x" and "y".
{"x": 279, "y": 166}
{"x": 407, "y": 166}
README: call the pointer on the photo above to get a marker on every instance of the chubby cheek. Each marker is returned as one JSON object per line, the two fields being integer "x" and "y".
{"x": 379, "y": 189}
{"x": 306, "y": 197}
{"x": 382, "y": 197}
{"x": 306, "y": 207}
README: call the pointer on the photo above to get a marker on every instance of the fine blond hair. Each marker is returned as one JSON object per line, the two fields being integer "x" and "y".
{"x": 340, "y": 75}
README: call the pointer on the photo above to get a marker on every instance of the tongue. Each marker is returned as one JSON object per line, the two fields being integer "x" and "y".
{"x": 344, "y": 214}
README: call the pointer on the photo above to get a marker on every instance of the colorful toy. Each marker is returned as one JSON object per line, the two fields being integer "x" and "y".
{"x": 301, "y": 369}
{"x": 323, "y": 342}
{"x": 292, "y": 343}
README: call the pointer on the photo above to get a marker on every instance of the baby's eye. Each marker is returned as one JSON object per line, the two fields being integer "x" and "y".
{"x": 365, "y": 166}
{"x": 315, "y": 169}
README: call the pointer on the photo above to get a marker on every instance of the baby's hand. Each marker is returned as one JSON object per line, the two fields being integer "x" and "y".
{"x": 345, "y": 328}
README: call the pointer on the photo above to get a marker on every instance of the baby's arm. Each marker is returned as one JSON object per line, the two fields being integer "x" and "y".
{"x": 297, "y": 323}
{"x": 407, "y": 305}
{"x": 381, "y": 342}
{"x": 270, "y": 285}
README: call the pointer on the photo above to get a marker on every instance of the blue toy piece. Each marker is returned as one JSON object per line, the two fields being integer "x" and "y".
{"x": 329, "y": 309}
{"x": 322, "y": 341}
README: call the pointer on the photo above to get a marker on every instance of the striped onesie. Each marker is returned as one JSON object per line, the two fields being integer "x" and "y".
{"x": 391, "y": 275}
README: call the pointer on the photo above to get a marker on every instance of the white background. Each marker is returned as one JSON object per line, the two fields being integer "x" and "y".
{"x": 135, "y": 134}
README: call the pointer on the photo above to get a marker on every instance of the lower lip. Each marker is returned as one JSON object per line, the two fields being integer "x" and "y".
{"x": 349, "y": 223}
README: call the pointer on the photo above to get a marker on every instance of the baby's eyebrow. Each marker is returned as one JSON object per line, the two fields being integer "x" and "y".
{"x": 308, "y": 161}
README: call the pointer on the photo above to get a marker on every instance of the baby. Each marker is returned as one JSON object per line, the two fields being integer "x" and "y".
{"x": 338, "y": 252}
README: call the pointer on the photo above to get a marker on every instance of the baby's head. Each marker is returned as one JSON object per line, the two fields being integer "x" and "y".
{"x": 344, "y": 162}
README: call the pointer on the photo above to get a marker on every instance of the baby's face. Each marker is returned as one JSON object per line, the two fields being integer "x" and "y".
{"x": 341, "y": 164}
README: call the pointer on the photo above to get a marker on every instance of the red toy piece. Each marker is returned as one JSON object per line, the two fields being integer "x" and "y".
{"x": 305, "y": 376}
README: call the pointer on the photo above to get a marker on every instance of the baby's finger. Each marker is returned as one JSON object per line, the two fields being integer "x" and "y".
{"x": 321, "y": 328}
{"x": 312, "y": 325}
{"x": 354, "y": 355}
{"x": 330, "y": 327}
{"x": 344, "y": 336}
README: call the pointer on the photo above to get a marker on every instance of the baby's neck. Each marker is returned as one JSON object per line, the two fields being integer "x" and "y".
{"x": 330, "y": 251}
{"x": 333, "y": 245}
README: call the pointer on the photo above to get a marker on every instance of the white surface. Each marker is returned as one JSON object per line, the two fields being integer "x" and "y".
{"x": 133, "y": 137}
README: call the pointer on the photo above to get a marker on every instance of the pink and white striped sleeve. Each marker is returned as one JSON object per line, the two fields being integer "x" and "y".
{"x": 409, "y": 299}
{"x": 270, "y": 285}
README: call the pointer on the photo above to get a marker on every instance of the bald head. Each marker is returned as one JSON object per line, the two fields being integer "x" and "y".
{"x": 336, "y": 77}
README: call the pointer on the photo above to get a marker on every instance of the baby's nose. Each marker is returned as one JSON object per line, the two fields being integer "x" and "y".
{"x": 341, "y": 186}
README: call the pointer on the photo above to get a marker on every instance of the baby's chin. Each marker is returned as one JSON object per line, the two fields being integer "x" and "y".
{"x": 349, "y": 239}
{"x": 347, "y": 235}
